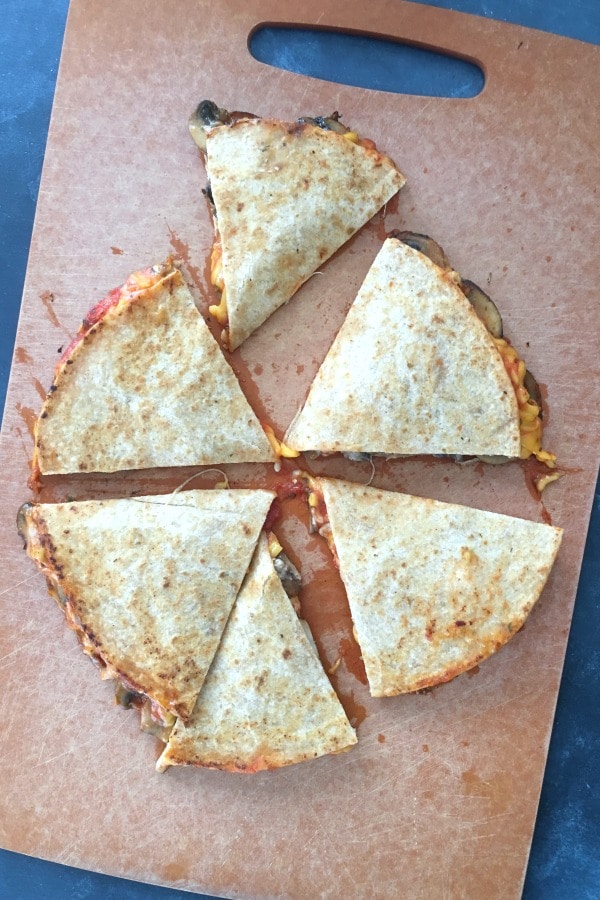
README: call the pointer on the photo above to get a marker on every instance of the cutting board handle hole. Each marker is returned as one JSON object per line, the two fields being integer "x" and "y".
{"x": 365, "y": 61}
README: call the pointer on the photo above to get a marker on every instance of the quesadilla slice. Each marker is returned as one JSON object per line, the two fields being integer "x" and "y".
{"x": 420, "y": 366}
{"x": 434, "y": 588}
{"x": 285, "y": 196}
{"x": 266, "y": 701}
{"x": 144, "y": 384}
{"x": 147, "y": 584}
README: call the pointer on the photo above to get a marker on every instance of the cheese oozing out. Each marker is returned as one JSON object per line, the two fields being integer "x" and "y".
{"x": 530, "y": 422}
{"x": 279, "y": 448}
{"x": 219, "y": 311}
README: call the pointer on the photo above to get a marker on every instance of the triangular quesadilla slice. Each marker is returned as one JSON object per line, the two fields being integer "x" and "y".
{"x": 434, "y": 588}
{"x": 148, "y": 583}
{"x": 266, "y": 701}
{"x": 414, "y": 370}
{"x": 144, "y": 384}
{"x": 285, "y": 197}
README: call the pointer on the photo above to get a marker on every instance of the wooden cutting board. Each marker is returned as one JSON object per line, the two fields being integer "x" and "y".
{"x": 440, "y": 796}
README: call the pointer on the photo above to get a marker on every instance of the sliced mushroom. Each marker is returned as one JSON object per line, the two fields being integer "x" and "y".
{"x": 207, "y": 115}
{"x": 288, "y": 575}
{"x": 150, "y": 726}
{"x": 425, "y": 245}
{"x": 328, "y": 123}
{"x": 309, "y": 634}
{"x": 494, "y": 460}
{"x": 533, "y": 389}
{"x": 22, "y": 523}
{"x": 484, "y": 306}
{"x": 207, "y": 191}
{"x": 358, "y": 457}
{"x": 332, "y": 123}
{"x": 127, "y": 698}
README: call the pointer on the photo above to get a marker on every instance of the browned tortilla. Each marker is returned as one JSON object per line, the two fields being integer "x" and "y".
{"x": 266, "y": 701}
{"x": 412, "y": 370}
{"x": 147, "y": 386}
{"x": 434, "y": 588}
{"x": 287, "y": 196}
{"x": 148, "y": 582}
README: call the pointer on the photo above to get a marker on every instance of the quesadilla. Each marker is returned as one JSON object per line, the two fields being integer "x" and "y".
{"x": 285, "y": 196}
{"x": 144, "y": 384}
{"x": 147, "y": 584}
{"x": 434, "y": 588}
{"x": 266, "y": 701}
{"x": 415, "y": 369}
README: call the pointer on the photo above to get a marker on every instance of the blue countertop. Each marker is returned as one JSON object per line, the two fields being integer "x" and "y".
{"x": 565, "y": 857}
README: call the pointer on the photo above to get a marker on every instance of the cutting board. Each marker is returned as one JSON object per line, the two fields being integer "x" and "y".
{"x": 439, "y": 798}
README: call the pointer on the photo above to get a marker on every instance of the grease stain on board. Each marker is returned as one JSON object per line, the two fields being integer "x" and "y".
{"x": 182, "y": 250}
{"x": 350, "y": 653}
{"x": 28, "y": 416}
{"x": 355, "y": 711}
{"x": 39, "y": 388}
{"x": 22, "y": 356}
{"x": 178, "y": 870}
{"x": 47, "y": 298}
{"x": 497, "y": 789}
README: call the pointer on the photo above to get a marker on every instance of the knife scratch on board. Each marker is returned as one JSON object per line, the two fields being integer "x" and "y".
{"x": 325, "y": 840}
{"x": 19, "y": 648}
{"x": 26, "y": 450}
{"x": 62, "y": 856}
{"x": 11, "y": 588}
{"x": 418, "y": 113}
{"x": 476, "y": 837}
{"x": 396, "y": 777}
{"x": 100, "y": 746}
{"x": 51, "y": 759}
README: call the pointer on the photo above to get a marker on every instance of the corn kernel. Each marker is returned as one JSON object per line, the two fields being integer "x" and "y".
{"x": 279, "y": 448}
{"x": 275, "y": 547}
{"x": 220, "y": 311}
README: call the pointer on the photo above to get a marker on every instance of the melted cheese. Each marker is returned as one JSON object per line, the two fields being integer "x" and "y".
{"x": 355, "y": 138}
{"x": 530, "y": 422}
{"x": 279, "y": 448}
{"x": 545, "y": 480}
{"x": 219, "y": 311}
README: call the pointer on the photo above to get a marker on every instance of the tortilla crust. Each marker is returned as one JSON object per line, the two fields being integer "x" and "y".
{"x": 266, "y": 701}
{"x": 146, "y": 386}
{"x": 434, "y": 588}
{"x": 287, "y": 196}
{"x": 150, "y": 581}
{"x": 412, "y": 370}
